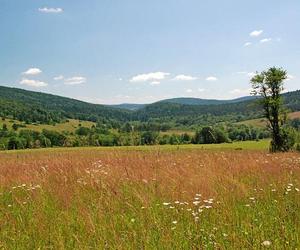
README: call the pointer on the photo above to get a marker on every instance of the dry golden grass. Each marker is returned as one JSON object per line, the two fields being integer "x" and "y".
{"x": 93, "y": 198}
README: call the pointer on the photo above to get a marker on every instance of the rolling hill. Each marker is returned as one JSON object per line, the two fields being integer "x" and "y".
{"x": 36, "y": 107}
{"x": 32, "y": 106}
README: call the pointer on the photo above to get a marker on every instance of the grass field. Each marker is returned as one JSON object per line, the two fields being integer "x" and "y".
{"x": 185, "y": 197}
{"x": 70, "y": 126}
{"x": 261, "y": 122}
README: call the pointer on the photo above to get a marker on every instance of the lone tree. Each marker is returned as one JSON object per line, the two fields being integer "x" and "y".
{"x": 269, "y": 84}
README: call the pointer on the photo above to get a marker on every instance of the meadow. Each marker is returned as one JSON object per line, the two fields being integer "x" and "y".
{"x": 227, "y": 196}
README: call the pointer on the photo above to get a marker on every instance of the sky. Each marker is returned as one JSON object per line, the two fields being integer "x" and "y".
{"x": 141, "y": 51}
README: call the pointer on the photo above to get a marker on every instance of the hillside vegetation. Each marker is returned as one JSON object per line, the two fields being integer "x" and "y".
{"x": 34, "y": 107}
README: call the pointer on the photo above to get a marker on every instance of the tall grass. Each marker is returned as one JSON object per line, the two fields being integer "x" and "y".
{"x": 170, "y": 199}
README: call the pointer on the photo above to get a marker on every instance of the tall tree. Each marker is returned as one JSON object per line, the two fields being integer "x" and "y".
{"x": 269, "y": 84}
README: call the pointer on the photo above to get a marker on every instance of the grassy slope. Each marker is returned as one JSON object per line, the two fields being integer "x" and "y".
{"x": 70, "y": 126}
{"x": 261, "y": 122}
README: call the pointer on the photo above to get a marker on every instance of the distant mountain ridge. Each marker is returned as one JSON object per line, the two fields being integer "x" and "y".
{"x": 184, "y": 101}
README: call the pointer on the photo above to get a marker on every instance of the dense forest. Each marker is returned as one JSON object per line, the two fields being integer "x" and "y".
{"x": 35, "y": 107}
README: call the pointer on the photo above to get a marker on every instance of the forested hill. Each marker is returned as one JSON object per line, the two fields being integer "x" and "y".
{"x": 46, "y": 108}
{"x": 38, "y": 107}
{"x": 199, "y": 101}
{"x": 185, "y": 114}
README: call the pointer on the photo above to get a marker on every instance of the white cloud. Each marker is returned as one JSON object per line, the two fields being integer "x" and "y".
{"x": 247, "y": 44}
{"x": 185, "y": 78}
{"x": 155, "y": 83}
{"x": 32, "y": 71}
{"x": 75, "y": 80}
{"x": 290, "y": 77}
{"x": 265, "y": 40}
{"x": 201, "y": 90}
{"x": 211, "y": 78}
{"x": 155, "y": 76}
{"x": 33, "y": 83}
{"x": 188, "y": 90}
{"x": 256, "y": 33}
{"x": 50, "y": 10}
{"x": 57, "y": 78}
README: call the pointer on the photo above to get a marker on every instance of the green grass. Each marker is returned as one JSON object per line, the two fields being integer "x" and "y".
{"x": 242, "y": 145}
{"x": 70, "y": 126}
{"x": 262, "y": 122}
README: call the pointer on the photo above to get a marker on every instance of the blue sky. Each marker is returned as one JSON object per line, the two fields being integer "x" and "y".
{"x": 139, "y": 51}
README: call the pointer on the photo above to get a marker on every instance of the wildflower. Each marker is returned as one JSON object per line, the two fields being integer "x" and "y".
{"x": 273, "y": 190}
{"x": 174, "y": 222}
{"x": 266, "y": 243}
{"x": 9, "y": 205}
{"x": 171, "y": 207}
{"x": 166, "y": 203}
{"x": 196, "y": 203}
{"x": 173, "y": 228}
{"x": 132, "y": 220}
{"x": 176, "y": 202}
{"x": 225, "y": 235}
{"x": 247, "y": 205}
{"x": 297, "y": 189}
{"x": 252, "y": 198}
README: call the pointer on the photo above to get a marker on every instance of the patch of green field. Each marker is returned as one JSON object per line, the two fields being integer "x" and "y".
{"x": 262, "y": 145}
{"x": 262, "y": 122}
{"x": 69, "y": 126}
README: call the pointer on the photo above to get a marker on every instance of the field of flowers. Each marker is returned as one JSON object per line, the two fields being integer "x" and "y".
{"x": 149, "y": 199}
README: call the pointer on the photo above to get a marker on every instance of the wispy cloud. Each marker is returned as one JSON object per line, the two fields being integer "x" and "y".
{"x": 201, "y": 90}
{"x": 189, "y": 91}
{"x": 50, "y": 10}
{"x": 58, "y": 78}
{"x": 185, "y": 78}
{"x": 32, "y": 71}
{"x": 155, "y": 76}
{"x": 211, "y": 78}
{"x": 33, "y": 83}
{"x": 75, "y": 80}
{"x": 256, "y": 33}
{"x": 265, "y": 40}
{"x": 290, "y": 77}
{"x": 247, "y": 44}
